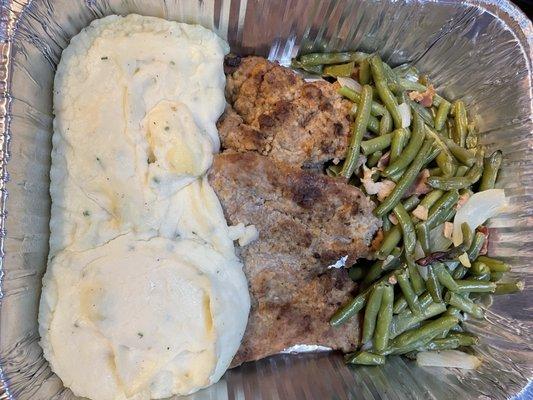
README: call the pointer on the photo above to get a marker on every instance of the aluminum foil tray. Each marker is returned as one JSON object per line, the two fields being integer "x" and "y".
{"x": 476, "y": 50}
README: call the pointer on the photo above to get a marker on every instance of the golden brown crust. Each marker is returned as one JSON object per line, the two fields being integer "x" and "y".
{"x": 306, "y": 222}
{"x": 275, "y": 112}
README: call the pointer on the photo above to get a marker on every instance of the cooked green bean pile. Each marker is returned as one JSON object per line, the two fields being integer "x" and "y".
{"x": 414, "y": 297}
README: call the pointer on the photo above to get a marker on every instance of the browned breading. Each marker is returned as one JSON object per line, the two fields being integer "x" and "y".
{"x": 276, "y": 113}
{"x": 306, "y": 222}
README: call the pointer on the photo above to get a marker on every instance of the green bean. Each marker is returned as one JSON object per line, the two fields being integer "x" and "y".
{"x": 416, "y": 279}
{"x": 333, "y": 170}
{"x": 371, "y": 312}
{"x": 349, "y": 310}
{"x": 439, "y": 344}
{"x": 464, "y": 304}
{"x": 361, "y": 122}
{"x": 376, "y": 144}
{"x": 407, "y": 71}
{"x": 356, "y": 273}
{"x": 496, "y": 276}
{"x": 458, "y": 182}
{"x": 430, "y": 198}
{"x": 463, "y": 155}
{"x": 405, "y": 181}
{"x": 452, "y": 341}
{"x": 446, "y": 183}
{"x": 364, "y": 72}
{"x": 426, "y": 332}
{"x": 366, "y": 358}
{"x": 373, "y": 159}
{"x": 399, "y": 139}
{"x": 373, "y": 123}
{"x": 461, "y": 170}
{"x": 436, "y": 171}
{"x": 477, "y": 245}
{"x": 472, "y": 137}
{"x": 433, "y": 285}
{"x": 410, "y": 151}
{"x": 468, "y": 235}
{"x": 509, "y": 287}
{"x": 407, "y": 227}
{"x": 408, "y": 292}
{"x": 473, "y": 286}
{"x": 376, "y": 108}
{"x": 494, "y": 265}
{"x": 461, "y": 122}
{"x": 446, "y": 164}
{"x": 385, "y": 124}
{"x": 376, "y": 66}
{"x": 381, "y": 336}
{"x": 445, "y": 154}
{"x": 399, "y": 305}
{"x": 424, "y": 113}
{"x": 435, "y": 151}
{"x": 390, "y": 75}
{"x": 313, "y": 69}
{"x": 339, "y": 70}
{"x": 490, "y": 171}
{"x": 479, "y": 268}
{"x": 422, "y": 233}
{"x": 355, "y": 305}
{"x": 313, "y": 59}
{"x": 475, "y": 172}
{"x": 404, "y": 322}
{"x": 455, "y": 312}
{"x": 449, "y": 216}
{"x": 444, "y": 277}
{"x": 387, "y": 225}
{"x": 391, "y": 240}
{"x": 440, "y": 208}
{"x": 465, "y": 339}
{"x": 411, "y": 202}
{"x": 459, "y": 272}
{"x": 485, "y": 277}
{"x": 391, "y": 262}
{"x": 442, "y": 114}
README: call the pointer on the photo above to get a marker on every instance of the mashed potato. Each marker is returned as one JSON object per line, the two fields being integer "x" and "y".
{"x": 143, "y": 296}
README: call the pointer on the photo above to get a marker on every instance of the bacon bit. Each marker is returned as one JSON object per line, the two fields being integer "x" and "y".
{"x": 424, "y": 98}
{"x": 386, "y": 188}
{"x": 462, "y": 200}
{"x": 420, "y": 185}
{"x": 448, "y": 230}
{"x": 392, "y": 280}
{"x": 383, "y": 162}
{"x": 376, "y": 242}
{"x": 421, "y": 212}
{"x": 393, "y": 219}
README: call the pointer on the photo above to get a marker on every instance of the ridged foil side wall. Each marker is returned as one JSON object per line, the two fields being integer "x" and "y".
{"x": 477, "y": 50}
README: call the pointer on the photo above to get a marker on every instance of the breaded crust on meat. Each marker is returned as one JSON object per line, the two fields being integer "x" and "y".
{"x": 276, "y": 113}
{"x": 306, "y": 222}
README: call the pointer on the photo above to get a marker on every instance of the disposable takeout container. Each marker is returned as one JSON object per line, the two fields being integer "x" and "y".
{"x": 476, "y": 50}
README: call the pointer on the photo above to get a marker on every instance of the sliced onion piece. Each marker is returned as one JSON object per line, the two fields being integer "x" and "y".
{"x": 448, "y": 359}
{"x": 350, "y": 83}
{"x": 479, "y": 208}
{"x": 405, "y": 112}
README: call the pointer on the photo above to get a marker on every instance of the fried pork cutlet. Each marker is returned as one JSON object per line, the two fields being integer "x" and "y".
{"x": 306, "y": 222}
{"x": 278, "y": 114}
